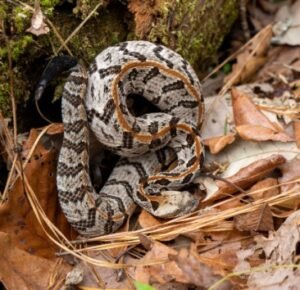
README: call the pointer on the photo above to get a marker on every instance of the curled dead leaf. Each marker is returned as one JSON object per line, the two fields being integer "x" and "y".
{"x": 38, "y": 26}
{"x": 146, "y": 220}
{"x": 259, "y": 133}
{"x": 245, "y": 111}
{"x": 216, "y": 144}
{"x": 249, "y": 174}
{"x": 251, "y": 123}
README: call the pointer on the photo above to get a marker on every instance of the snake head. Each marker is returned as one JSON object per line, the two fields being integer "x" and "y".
{"x": 177, "y": 203}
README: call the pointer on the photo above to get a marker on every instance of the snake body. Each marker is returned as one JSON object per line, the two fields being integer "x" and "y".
{"x": 161, "y": 153}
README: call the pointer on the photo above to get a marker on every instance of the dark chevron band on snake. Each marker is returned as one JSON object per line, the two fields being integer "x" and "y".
{"x": 161, "y": 153}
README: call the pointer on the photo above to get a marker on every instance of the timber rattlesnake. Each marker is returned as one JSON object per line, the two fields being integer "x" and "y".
{"x": 147, "y": 144}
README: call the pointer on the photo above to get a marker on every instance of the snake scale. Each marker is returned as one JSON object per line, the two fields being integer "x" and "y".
{"x": 161, "y": 153}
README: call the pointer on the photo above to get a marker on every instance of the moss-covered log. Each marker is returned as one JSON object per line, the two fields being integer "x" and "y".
{"x": 194, "y": 28}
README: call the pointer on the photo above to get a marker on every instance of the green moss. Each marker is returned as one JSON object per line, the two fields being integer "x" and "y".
{"x": 3, "y": 52}
{"x": 84, "y": 7}
{"x": 48, "y": 6}
{"x": 227, "y": 68}
{"x": 194, "y": 28}
{"x": 49, "y": 3}
{"x": 21, "y": 18}
{"x": 99, "y": 33}
{"x": 3, "y": 11}
{"x": 19, "y": 46}
{"x": 4, "y": 97}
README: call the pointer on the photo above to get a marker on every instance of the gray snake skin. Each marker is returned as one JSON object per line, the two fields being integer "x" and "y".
{"x": 161, "y": 153}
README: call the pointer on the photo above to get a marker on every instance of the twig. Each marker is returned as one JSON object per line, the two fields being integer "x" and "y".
{"x": 95, "y": 275}
{"x": 40, "y": 112}
{"x": 9, "y": 178}
{"x": 63, "y": 43}
{"x": 14, "y": 144}
{"x": 11, "y": 87}
{"x": 215, "y": 177}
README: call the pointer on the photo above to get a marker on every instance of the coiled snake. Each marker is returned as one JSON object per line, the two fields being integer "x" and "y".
{"x": 148, "y": 144}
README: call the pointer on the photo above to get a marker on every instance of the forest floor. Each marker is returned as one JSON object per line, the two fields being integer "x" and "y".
{"x": 245, "y": 233}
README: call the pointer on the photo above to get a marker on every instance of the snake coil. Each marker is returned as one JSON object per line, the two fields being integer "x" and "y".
{"x": 148, "y": 144}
